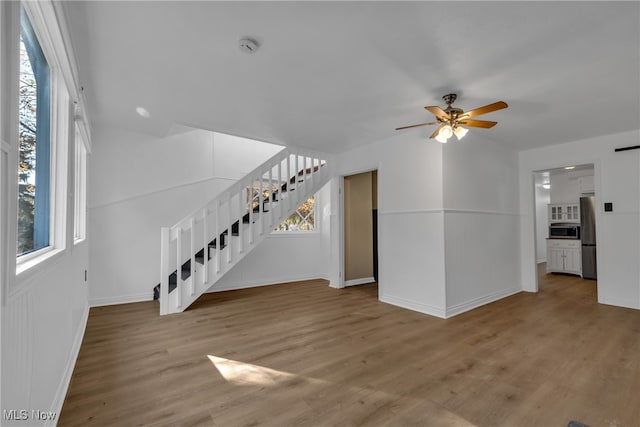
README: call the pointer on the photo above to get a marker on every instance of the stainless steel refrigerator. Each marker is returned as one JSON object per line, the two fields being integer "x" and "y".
{"x": 588, "y": 237}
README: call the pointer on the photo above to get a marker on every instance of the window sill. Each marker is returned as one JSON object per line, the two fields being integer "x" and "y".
{"x": 46, "y": 257}
{"x": 294, "y": 233}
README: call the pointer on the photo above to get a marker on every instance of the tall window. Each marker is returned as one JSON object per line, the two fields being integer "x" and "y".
{"x": 34, "y": 163}
{"x": 303, "y": 219}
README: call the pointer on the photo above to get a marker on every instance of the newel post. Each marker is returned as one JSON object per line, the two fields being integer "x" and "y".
{"x": 165, "y": 244}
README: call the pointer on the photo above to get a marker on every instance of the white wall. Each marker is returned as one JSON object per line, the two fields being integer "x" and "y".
{"x": 235, "y": 156}
{"x": 617, "y": 180}
{"x": 481, "y": 222}
{"x": 137, "y": 185}
{"x": 282, "y": 257}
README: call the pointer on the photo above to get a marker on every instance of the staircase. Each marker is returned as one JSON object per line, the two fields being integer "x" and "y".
{"x": 205, "y": 245}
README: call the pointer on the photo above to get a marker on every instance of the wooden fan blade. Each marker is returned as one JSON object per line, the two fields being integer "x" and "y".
{"x": 478, "y": 123}
{"x": 438, "y": 112}
{"x": 415, "y": 126}
{"x": 433, "y": 135}
{"x": 484, "y": 110}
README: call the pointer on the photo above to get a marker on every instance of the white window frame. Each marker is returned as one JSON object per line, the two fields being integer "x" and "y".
{"x": 80, "y": 189}
{"x": 60, "y": 116}
{"x": 316, "y": 225}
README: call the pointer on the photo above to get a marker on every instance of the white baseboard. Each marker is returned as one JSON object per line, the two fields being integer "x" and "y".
{"x": 412, "y": 305}
{"x": 124, "y": 299}
{"x": 618, "y": 303}
{"x": 363, "y": 281}
{"x": 63, "y": 386}
{"x": 477, "y": 302}
{"x": 256, "y": 284}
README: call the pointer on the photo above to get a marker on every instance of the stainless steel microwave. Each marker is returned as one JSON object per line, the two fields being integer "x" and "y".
{"x": 564, "y": 230}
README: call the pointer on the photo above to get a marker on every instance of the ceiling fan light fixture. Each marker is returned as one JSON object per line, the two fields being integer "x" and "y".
{"x": 441, "y": 138}
{"x": 450, "y": 119}
{"x": 445, "y": 133}
{"x": 460, "y": 132}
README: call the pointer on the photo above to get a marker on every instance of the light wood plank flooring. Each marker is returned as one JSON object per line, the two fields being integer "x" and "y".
{"x": 303, "y": 354}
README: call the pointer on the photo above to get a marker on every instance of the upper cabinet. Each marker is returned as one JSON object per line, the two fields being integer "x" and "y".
{"x": 569, "y": 186}
{"x": 586, "y": 185}
{"x": 564, "y": 212}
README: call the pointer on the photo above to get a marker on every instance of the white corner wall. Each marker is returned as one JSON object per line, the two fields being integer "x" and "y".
{"x": 617, "y": 180}
{"x": 139, "y": 184}
{"x": 481, "y": 222}
{"x": 410, "y": 220}
{"x": 448, "y": 221}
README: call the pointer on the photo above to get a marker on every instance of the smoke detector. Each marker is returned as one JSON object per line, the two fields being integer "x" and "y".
{"x": 248, "y": 45}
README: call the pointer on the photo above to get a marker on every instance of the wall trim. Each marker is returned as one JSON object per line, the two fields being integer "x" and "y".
{"x": 411, "y": 211}
{"x": 615, "y": 302}
{"x": 412, "y": 305}
{"x": 481, "y": 212}
{"x": 65, "y": 381}
{"x": 257, "y": 284}
{"x": 454, "y": 310}
{"x": 162, "y": 190}
{"x": 122, "y": 299}
{"x": 356, "y": 282}
{"x": 448, "y": 211}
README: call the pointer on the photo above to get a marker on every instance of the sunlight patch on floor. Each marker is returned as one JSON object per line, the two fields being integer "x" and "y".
{"x": 240, "y": 373}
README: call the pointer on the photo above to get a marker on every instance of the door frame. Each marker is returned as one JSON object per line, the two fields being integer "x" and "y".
{"x": 341, "y": 252}
{"x": 531, "y": 229}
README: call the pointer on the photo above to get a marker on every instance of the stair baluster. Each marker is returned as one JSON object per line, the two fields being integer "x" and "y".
{"x": 192, "y": 251}
{"x": 205, "y": 247}
{"x": 240, "y": 226}
{"x": 229, "y": 228}
{"x": 179, "y": 280}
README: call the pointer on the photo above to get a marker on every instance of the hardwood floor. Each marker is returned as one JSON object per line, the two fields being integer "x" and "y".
{"x": 304, "y": 354}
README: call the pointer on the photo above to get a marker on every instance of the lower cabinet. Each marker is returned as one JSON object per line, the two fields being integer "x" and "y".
{"x": 564, "y": 256}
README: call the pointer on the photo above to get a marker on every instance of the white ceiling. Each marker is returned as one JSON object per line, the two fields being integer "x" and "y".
{"x": 336, "y": 75}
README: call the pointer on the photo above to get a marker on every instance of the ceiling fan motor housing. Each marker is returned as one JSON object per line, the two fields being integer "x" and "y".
{"x": 449, "y": 98}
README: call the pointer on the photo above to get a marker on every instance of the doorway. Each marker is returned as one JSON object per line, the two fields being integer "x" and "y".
{"x": 564, "y": 209}
{"x": 360, "y": 228}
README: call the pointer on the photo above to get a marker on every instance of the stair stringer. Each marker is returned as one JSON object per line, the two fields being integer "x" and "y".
{"x": 303, "y": 173}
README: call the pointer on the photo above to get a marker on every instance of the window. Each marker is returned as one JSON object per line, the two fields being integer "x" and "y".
{"x": 303, "y": 219}
{"x": 34, "y": 163}
{"x": 80, "y": 189}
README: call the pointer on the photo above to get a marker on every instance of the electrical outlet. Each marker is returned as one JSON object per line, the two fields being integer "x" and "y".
{"x": 608, "y": 207}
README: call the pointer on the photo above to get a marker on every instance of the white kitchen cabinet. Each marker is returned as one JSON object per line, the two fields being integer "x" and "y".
{"x": 586, "y": 184}
{"x": 564, "y": 256}
{"x": 564, "y": 212}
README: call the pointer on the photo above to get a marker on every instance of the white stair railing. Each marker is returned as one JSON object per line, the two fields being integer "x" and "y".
{"x": 203, "y": 246}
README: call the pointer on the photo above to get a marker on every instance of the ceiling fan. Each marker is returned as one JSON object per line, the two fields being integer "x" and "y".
{"x": 451, "y": 118}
